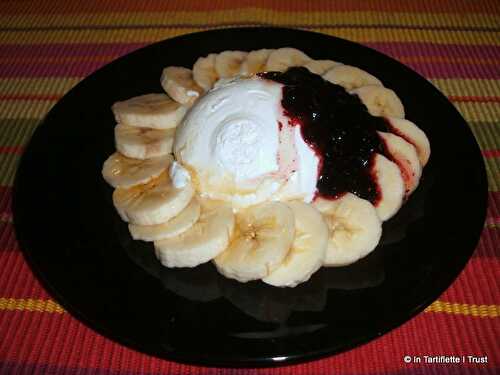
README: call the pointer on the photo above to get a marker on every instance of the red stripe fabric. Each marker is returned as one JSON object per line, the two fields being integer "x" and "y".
{"x": 386, "y": 354}
{"x": 432, "y": 70}
{"x": 31, "y": 68}
{"x": 491, "y": 153}
{"x": 5, "y": 199}
{"x": 8, "y": 238}
{"x": 338, "y": 25}
{"x": 68, "y": 50}
{"x": 429, "y": 49}
{"x": 74, "y": 6}
{"x": 478, "y": 99}
{"x": 11, "y": 149}
{"x": 401, "y": 49}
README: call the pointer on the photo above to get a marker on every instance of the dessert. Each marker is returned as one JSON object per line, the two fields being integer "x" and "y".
{"x": 239, "y": 146}
{"x": 268, "y": 163}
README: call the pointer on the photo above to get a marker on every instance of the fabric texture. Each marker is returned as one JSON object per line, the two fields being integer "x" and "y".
{"x": 47, "y": 47}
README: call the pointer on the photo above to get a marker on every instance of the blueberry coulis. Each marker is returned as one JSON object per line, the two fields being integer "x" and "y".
{"x": 338, "y": 127}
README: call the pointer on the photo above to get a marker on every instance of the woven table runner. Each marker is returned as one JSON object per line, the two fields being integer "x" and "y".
{"x": 47, "y": 47}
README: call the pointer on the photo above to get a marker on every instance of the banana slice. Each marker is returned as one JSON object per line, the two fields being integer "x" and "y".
{"x": 206, "y": 239}
{"x": 173, "y": 227}
{"x": 281, "y": 59}
{"x": 255, "y": 62}
{"x": 350, "y": 77}
{"x": 262, "y": 239}
{"x": 153, "y": 203}
{"x": 380, "y": 101}
{"x": 391, "y": 185}
{"x": 412, "y": 134}
{"x": 143, "y": 143}
{"x": 355, "y": 228}
{"x": 405, "y": 156}
{"x": 178, "y": 82}
{"x": 156, "y": 111}
{"x": 320, "y": 66}
{"x": 204, "y": 73}
{"x": 228, "y": 63}
{"x": 240, "y": 200}
{"x": 308, "y": 250}
{"x": 121, "y": 171}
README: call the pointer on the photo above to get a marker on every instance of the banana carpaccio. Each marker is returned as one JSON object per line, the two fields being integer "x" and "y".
{"x": 268, "y": 163}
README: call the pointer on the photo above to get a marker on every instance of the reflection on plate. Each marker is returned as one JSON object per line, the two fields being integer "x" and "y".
{"x": 256, "y": 299}
{"x": 83, "y": 253}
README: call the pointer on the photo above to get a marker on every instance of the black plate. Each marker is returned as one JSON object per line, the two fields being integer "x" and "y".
{"x": 83, "y": 254}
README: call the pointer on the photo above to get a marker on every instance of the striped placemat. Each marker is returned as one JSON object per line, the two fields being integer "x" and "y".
{"x": 48, "y": 47}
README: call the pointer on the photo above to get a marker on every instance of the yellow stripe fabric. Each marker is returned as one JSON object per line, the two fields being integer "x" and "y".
{"x": 481, "y": 311}
{"x": 256, "y": 15}
{"x": 449, "y": 60}
{"x": 149, "y": 35}
{"x": 59, "y": 86}
{"x": 492, "y": 173}
{"x": 13, "y": 109}
{"x": 468, "y": 87}
{"x": 479, "y": 112}
{"x": 56, "y": 60}
{"x": 30, "y": 304}
{"x": 8, "y": 166}
{"x": 36, "y": 86}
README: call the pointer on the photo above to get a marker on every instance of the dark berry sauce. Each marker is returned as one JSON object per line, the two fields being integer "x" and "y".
{"x": 338, "y": 127}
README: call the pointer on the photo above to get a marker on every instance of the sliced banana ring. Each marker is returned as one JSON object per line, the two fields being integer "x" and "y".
{"x": 255, "y": 62}
{"x": 204, "y": 73}
{"x": 156, "y": 111}
{"x": 405, "y": 156}
{"x": 414, "y": 135}
{"x": 263, "y": 236}
{"x": 206, "y": 239}
{"x": 228, "y": 63}
{"x": 171, "y": 228}
{"x": 143, "y": 143}
{"x": 121, "y": 171}
{"x": 178, "y": 82}
{"x": 153, "y": 203}
{"x": 355, "y": 228}
{"x": 392, "y": 187}
{"x": 380, "y": 101}
{"x": 240, "y": 200}
{"x": 350, "y": 77}
{"x": 308, "y": 250}
{"x": 320, "y": 66}
{"x": 283, "y": 58}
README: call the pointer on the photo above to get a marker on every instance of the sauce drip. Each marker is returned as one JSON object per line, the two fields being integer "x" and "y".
{"x": 338, "y": 127}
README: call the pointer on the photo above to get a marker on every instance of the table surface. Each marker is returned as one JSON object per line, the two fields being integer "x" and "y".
{"x": 47, "y": 47}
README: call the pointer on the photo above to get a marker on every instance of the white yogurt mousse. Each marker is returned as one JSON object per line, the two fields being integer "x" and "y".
{"x": 238, "y": 146}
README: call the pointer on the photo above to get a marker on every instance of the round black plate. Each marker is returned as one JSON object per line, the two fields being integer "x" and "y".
{"x": 82, "y": 252}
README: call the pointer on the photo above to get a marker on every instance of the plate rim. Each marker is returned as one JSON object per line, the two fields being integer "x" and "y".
{"x": 262, "y": 362}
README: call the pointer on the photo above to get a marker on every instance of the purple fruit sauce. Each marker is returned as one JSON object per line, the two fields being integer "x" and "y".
{"x": 338, "y": 127}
